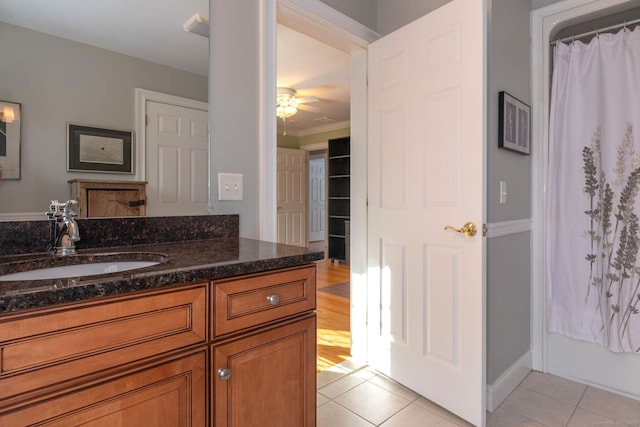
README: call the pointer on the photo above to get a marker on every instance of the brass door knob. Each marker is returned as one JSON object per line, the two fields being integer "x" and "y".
{"x": 469, "y": 229}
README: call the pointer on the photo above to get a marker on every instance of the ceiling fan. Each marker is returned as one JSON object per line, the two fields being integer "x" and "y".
{"x": 287, "y": 104}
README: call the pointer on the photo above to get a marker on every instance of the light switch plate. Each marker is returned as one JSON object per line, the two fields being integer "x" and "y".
{"x": 503, "y": 192}
{"x": 229, "y": 186}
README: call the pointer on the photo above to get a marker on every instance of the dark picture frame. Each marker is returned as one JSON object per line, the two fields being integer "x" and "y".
{"x": 10, "y": 135}
{"x": 514, "y": 129}
{"x": 91, "y": 149}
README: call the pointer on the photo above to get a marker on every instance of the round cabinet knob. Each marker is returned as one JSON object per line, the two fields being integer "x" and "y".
{"x": 273, "y": 299}
{"x": 224, "y": 373}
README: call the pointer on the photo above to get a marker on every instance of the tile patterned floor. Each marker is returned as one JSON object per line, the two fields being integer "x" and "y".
{"x": 352, "y": 395}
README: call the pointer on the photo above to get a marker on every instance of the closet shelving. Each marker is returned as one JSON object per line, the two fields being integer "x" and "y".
{"x": 339, "y": 197}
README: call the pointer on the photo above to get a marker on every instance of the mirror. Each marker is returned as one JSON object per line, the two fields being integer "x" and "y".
{"x": 80, "y": 63}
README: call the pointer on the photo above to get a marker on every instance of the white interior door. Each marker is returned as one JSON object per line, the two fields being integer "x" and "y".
{"x": 317, "y": 199}
{"x": 177, "y": 160}
{"x": 292, "y": 196}
{"x": 425, "y": 171}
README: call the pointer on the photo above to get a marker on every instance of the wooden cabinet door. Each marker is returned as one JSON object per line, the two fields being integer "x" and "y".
{"x": 167, "y": 394}
{"x": 272, "y": 378}
{"x": 103, "y": 198}
{"x": 116, "y": 202}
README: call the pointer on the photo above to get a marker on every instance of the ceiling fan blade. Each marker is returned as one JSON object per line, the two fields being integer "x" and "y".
{"x": 306, "y": 99}
{"x": 309, "y": 108}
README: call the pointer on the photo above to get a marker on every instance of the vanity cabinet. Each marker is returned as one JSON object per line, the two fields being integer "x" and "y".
{"x": 232, "y": 352}
{"x": 101, "y": 198}
{"x": 266, "y": 376}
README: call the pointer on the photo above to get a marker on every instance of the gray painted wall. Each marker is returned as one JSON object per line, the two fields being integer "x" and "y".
{"x": 385, "y": 16}
{"x": 359, "y": 10}
{"x": 58, "y": 82}
{"x": 535, "y": 4}
{"x": 508, "y": 70}
{"x": 508, "y": 314}
{"x": 508, "y": 257}
{"x": 234, "y": 126}
{"x": 393, "y": 14}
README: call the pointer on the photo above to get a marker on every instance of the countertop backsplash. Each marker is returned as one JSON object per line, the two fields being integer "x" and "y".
{"x": 29, "y": 237}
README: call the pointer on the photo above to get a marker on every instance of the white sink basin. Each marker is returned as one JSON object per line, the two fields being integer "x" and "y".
{"x": 81, "y": 265}
{"x": 77, "y": 270}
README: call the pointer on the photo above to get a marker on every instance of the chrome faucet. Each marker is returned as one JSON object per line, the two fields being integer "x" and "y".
{"x": 64, "y": 228}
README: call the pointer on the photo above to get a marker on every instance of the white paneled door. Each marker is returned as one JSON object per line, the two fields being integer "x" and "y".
{"x": 177, "y": 160}
{"x": 317, "y": 199}
{"x": 425, "y": 172}
{"x": 292, "y": 196}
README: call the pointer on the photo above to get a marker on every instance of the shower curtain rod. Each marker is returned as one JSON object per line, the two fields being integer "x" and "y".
{"x": 597, "y": 31}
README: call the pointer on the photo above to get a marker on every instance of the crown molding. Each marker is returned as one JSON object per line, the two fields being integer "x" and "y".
{"x": 313, "y": 17}
{"x": 319, "y": 129}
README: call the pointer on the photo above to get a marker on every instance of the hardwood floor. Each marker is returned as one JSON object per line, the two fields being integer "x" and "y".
{"x": 334, "y": 331}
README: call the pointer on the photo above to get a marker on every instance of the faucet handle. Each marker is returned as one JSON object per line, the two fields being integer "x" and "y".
{"x": 68, "y": 208}
{"x": 58, "y": 209}
{"x": 54, "y": 209}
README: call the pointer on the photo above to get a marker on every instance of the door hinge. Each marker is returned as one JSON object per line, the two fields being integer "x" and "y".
{"x": 146, "y": 120}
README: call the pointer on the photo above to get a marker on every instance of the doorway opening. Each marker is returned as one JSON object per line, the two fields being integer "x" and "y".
{"x": 319, "y": 74}
{"x": 333, "y": 314}
{"x": 318, "y": 200}
{"x": 555, "y": 353}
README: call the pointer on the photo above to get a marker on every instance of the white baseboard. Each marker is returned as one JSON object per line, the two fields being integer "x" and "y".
{"x": 508, "y": 381}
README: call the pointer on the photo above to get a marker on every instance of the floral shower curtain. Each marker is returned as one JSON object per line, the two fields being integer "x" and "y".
{"x": 593, "y": 240}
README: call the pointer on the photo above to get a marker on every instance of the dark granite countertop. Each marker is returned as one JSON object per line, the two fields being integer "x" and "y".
{"x": 187, "y": 262}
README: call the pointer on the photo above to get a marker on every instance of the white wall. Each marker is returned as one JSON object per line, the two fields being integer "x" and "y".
{"x": 58, "y": 81}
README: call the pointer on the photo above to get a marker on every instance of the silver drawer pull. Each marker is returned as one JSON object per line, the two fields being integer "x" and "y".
{"x": 224, "y": 373}
{"x": 273, "y": 299}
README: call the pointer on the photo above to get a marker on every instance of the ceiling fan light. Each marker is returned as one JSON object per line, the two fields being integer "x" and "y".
{"x": 286, "y": 106}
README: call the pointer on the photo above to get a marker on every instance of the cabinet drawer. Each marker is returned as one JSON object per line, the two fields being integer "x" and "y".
{"x": 45, "y": 348}
{"x": 169, "y": 394}
{"x": 248, "y": 301}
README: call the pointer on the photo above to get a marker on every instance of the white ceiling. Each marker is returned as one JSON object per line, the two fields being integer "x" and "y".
{"x": 313, "y": 69}
{"x": 152, "y": 30}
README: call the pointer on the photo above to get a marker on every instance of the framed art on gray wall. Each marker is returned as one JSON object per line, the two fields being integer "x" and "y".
{"x": 10, "y": 124}
{"x": 514, "y": 130}
{"x": 91, "y": 149}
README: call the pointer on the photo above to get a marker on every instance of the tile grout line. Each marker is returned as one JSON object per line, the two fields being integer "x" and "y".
{"x": 525, "y": 417}
{"x": 575, "y": 408}
{"x": 354, "y": 413}
{"x": 409, "y": 401}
